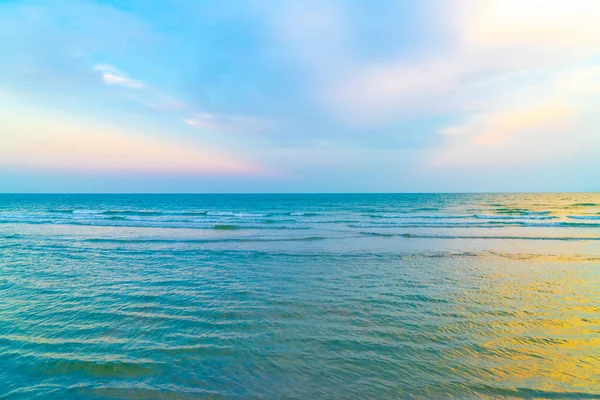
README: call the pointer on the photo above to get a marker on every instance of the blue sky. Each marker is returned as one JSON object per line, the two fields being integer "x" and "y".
{"x": 290, "y": 96}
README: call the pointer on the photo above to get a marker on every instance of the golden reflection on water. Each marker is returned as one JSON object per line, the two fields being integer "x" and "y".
{"x": 551, "y": 339}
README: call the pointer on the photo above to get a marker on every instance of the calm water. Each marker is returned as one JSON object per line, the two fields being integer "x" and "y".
{"x": 299, "y": 296}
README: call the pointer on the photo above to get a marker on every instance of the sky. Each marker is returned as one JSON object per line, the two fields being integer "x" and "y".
{"x": 299, "y": 96}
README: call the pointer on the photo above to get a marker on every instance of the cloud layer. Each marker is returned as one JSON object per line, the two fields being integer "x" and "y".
{"x": 384, "y": 96}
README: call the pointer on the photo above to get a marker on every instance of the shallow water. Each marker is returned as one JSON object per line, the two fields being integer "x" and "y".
{"x": 300, "y": 296}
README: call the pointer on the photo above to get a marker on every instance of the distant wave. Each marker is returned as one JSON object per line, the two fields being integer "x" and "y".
{"x": 178, "y": 224}
{"x": 236, "y": 214}
{"x": 488, "y": 224}
{"x": 228, "y": 216}
{"x": 134, "y": 213}
{"x": 584, "y": 217}
{"x": 508, "y": 210}
{"x": 450, "y": 217}
{"x": 301, "y": 214}
{"x": 140, "y": 213}
{"x": 420, "y": 236}
{"x": 418, "y": 216}
{"x": 224, "y": 227}
{"x": 518, "y": 211}
{"x": 62, "y": 211}
{"x": 515, "y": 217}
{"x": 206, "y": 241}
{"x": 81, "y": 211}
{"x": 565, "y": 224}
{"x": 161, "y": 213}
{"x": 255, "y": 222}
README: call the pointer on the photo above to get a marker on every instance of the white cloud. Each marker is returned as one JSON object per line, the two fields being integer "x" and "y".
{"x": 112, "y": 76}
{"x": 521, "y": 74}
{"x": 483, "y": 40}
{"x": 160, "y": 101}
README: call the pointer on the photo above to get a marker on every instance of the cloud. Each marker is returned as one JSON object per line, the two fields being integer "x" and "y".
{"x": 512, "y": 137}
{"x": 550, "y": 121}
{"x": 475, "y": 41}
{"x": 111, "y": 76}
{"x": 63, "y": 143}
{"x": 517, "y": 78}
{"x": 553, "y": 25}
{"x": 165, "y": 103}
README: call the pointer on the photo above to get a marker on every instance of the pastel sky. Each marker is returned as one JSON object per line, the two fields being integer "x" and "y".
{"x": 299, "y": 96}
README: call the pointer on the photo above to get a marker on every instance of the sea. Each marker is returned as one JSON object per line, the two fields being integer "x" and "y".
{"x": 300, "y": 296}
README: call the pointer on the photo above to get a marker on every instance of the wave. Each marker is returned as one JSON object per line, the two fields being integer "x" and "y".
{"x": 133, "y": 221}
{"x": 253, "y": 221}
{"x": 206, "y": 241}
{"x": 584, "y": 217}
{"x": 140, "y": 213}
{"x": 563, "y": 224}
{"x": 397, "y": 216}
{"x": 529, "y": 216}
{"x": 301, "y": 214}
{"x": 523, "y": 217}
{"x": 506, "y": 237}
{"x": 511, "y": 211}
{"x": 381, "y": 234}
{"x": 178, "y": 225}
{"x": 81, "y": 211}
{"x": 61, "y": 211}
{"x": 584, "y": 205}
{"x": 24, "y": 216}
{"x": 475, "y": 224}
{"x": 224, "y": 227}
{"x": 140, "y": 222}
{"x": 236, "y": 214}
{"x": 132, "y": 213}
{"x": 250, "y": 215}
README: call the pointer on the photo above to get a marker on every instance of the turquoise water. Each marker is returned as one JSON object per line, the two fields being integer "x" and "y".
{"x": 299, "y": 296}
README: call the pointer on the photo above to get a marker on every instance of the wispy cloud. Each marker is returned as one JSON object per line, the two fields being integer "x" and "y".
{"x": 189, "y": 113}
{"x": 516, "y": 77}
{"x": 482, "y": 39}
{"x": 112, "y": 76}
{"x": 64, "y": 143}
{"x": 550, "y": 121}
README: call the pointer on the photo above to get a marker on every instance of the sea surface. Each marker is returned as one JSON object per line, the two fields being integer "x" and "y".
{"x": 358, "y": 296}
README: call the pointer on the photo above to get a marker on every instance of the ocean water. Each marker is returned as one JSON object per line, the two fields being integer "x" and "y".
{"x": 300, "y": 296}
